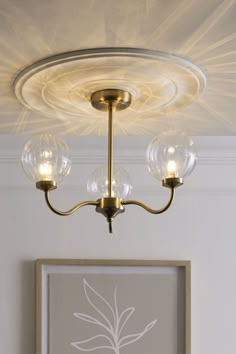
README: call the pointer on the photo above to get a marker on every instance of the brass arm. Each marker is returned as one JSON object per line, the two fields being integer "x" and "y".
{"x": 150, "y": 210}
{"x": 70, "y": 211}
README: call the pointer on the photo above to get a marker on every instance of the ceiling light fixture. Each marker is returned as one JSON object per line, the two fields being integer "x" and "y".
{"x": 170, "y": 157}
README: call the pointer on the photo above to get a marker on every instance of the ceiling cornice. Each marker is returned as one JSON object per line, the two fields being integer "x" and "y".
{"x": 127, "y": 150}
{"x": 216, "y": 162}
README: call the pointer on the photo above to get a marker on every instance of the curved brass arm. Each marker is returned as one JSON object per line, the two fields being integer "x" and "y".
{"x": 70, "y": 211}
{"x": 150, "y": 210}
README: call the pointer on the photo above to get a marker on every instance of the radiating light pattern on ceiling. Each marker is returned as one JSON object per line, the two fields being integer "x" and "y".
{"x": 202, "y": 32}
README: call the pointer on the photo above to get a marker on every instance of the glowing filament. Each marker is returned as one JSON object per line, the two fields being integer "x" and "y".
{"x": 113, "y": 183}
{"x": 171, "y": 167}
{"x": 45, "y": 171}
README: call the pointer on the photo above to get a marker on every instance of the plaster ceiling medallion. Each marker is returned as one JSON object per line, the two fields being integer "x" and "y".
{"x": 60, "y": 87}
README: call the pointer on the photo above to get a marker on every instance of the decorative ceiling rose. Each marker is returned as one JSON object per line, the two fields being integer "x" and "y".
{"x": 61, "y": 87}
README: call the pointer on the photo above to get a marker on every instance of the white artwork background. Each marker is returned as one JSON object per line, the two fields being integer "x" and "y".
{"x": 157, "y": 300}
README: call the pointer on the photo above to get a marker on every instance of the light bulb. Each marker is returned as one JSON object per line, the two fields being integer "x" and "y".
{"x": 46, "y": 158}
{"x": 45, "y": 171}
{"x": 171, "y": 155}
{"x": 97, "y": 184}
{"x": 171, "y": 167}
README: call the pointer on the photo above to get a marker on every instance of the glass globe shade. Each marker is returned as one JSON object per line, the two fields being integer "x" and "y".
{"x": 171, "y": 155}
{"x": 46, "y": 158}
{"x": 97, "y": 184}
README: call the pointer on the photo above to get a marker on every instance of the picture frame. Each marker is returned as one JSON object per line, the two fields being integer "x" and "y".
{"x": 113, "y": 306}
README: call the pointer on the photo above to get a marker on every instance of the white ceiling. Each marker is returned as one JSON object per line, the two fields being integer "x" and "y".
{"x": 203, "y": 32}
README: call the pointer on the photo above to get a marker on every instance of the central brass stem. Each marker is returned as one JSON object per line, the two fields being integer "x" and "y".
{"x": 110, "y": 147}
{"x": 110, "y": 100}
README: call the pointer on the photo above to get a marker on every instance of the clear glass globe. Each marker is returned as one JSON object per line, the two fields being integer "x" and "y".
{"x": 97, "y": 184}
{"x": 171, "y": 154}
{"x": 46, "y": 158}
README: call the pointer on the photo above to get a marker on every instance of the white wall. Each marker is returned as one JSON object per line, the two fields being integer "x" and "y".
{"x": 200, "y": 226}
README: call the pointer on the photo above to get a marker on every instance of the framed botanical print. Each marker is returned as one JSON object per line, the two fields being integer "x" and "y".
{"x": 113, "y": 307}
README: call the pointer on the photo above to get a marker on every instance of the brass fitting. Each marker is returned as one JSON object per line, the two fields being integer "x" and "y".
{"x": 46, "y": 186}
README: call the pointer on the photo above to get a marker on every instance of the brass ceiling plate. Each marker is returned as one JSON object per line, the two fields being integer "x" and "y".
{"x": 119, "y": 99}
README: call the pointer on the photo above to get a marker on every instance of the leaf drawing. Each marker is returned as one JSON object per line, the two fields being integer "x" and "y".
{"x": 109, "y": 320}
